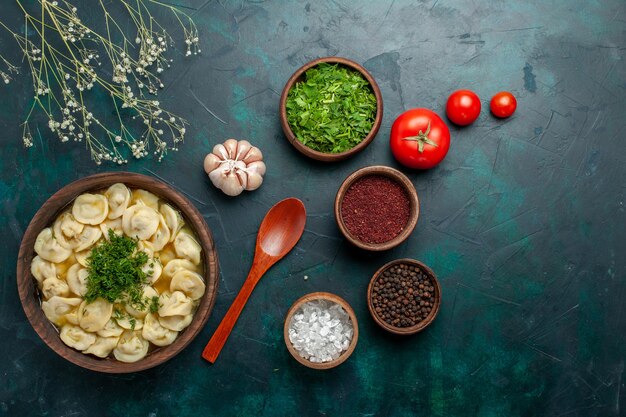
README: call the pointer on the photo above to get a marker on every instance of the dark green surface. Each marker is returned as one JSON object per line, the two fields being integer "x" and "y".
{"x": 523, "y": 222}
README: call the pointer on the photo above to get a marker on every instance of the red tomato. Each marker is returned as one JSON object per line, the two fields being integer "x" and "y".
{"x": 419, "y": 139}
{"x": 463, "y": 107}
{"x": 503, "y": 104}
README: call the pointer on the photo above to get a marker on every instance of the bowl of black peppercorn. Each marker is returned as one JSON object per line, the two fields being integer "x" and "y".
{"x": 404, "y": 296}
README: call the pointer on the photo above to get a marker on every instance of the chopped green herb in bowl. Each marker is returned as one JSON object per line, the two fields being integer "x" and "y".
{"x": 333, "y": 109}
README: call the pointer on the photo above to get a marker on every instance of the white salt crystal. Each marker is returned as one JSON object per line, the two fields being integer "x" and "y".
{"x": 320, "y": 331}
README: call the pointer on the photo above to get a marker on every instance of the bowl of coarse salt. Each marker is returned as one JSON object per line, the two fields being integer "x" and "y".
{"x": 321, "y": 330}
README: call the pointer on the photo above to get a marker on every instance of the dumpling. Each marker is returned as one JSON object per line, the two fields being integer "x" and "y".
{"x": 64, "y": 266}
{"x": 189, "y": 283}
{"x": 177, "y": 265}
{"x": 140, "y": 221}
{"x": 54, "y": 286}
{"x": 42, "y": 269}
{"x": 161, "y": 237}
{"x": 147, "y": 198}
{"x": 118, "y": 197}
{"x": 167, "y": 255}
{"x": 72, "y": 316}
{"x": 87, "y": 238}
{"x": 173, "y": 219}
{"x": 155, "y": 333}
{"x": 146, "y": 247}
{"x": 111, "y": 329}
{"x": 56, "y": 308}
{"x": 80, "y": 241}
{"x": 77, "y": 279}
{"x": 75, "y": 337}
{"x": 115, "y": 225}
{"x": 131, "y": 347}
{"x": 153, "y": 270}
{"x": 90, "y": 208}
{"x": 95, "y": 315}
{"x": 81, "y": 257}
{"x": 176, "y": 323}
{"x": 48, "y": 248}
{"x": 148, "y": 293}
{"x": 174, "y": 304}
{"x": 102, "y": 346}
{"x": 129, "y": 322}
{"x": 66, "y": 229}
{"x": 187, "y": 247}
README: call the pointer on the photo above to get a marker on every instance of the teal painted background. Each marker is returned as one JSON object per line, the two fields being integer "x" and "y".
{"x": 524, "y": 222}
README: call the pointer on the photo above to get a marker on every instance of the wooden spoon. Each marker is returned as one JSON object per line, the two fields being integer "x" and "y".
{"x": 279, "y": 232}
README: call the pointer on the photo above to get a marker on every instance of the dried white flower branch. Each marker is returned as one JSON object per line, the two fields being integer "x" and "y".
{"x": 7, "y": 69}
{"x": 67, "y": 59}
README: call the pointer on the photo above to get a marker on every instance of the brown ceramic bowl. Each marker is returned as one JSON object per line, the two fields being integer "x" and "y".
{"x": 46, "y": 215}
{"x": 395, "y": 175}
{"x": 321, "y": 296}
{"x": 422, "y": 324}
{"x": 298, "y": 76}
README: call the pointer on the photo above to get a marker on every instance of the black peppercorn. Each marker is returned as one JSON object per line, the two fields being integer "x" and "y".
{"x": 403, "y": 295}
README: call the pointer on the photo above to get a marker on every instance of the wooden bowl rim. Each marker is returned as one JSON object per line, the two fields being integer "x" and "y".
{"x": 321, "y": 156}
{"x": 321, "y": 295}
{"x": 401, "y": 179}
{"x": 405, "y": 331}
{"x": 44, "y": 218}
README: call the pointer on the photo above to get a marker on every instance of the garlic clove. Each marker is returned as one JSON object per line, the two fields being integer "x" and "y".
{"x": 211, "y": 162}
{"x": 242, "y": 176}
{"x": 242, "y": 150}
{"x": 231, "y": 186}
{"x": 254, "y": 181}
{"x": 253, "y": 155}
{"x": 221, "y": 151}
{"x": 257, "y": 167}
{"x": 255, "y": 171}
{"x": 231, "y": 147}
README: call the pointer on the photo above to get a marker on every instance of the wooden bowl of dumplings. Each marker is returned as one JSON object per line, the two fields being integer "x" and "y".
{"x": 45, "y": 286}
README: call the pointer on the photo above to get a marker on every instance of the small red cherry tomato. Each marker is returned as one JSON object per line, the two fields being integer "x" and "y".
{"x": 503, "y": 104}
{"x": 463, "y": 107}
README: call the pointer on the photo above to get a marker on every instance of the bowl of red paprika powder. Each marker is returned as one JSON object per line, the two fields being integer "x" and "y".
{"x": 376, "y": 208}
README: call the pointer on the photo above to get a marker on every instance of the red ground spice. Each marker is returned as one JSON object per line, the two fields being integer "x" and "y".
{"x": 375, "y": 209}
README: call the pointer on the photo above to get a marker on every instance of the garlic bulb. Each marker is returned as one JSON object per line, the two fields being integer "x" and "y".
{"x": 235, "y": 166}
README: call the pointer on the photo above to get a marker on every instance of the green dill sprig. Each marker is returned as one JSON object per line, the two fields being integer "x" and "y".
{"x": 115, "y": 272}
{"x": 154, "y": 305}
{"x": 332, "y": 110}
